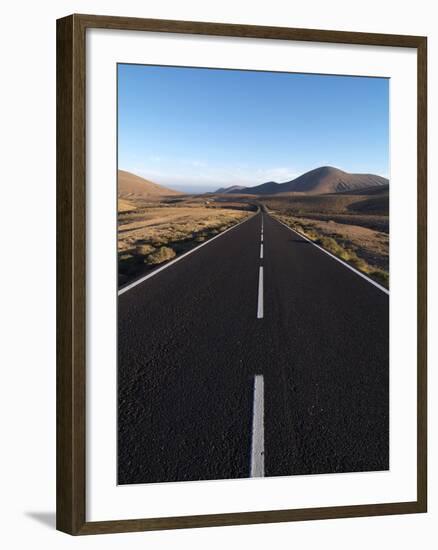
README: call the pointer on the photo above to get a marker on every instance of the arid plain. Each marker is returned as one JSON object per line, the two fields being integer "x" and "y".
{"x": 346, "y": 214}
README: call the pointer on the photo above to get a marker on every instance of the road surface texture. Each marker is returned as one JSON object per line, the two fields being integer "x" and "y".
{"x": 227, "y": 370}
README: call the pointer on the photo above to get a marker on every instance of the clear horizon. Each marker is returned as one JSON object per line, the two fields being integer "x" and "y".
{"x": 200, "y": 129}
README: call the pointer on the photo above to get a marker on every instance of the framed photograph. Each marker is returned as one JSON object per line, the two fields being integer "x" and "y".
{"x": 241, "y": 259}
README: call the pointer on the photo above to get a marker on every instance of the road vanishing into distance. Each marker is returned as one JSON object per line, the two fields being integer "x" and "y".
{"x": 255, "y": 355}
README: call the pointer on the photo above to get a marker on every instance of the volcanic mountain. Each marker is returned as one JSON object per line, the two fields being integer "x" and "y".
{"x": 325, "y": 179}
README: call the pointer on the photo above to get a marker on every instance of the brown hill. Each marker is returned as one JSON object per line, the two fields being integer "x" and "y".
{"x": 325, "y": 179}
{"x": 332, "y": 180}
{"x": 130, "y": 185}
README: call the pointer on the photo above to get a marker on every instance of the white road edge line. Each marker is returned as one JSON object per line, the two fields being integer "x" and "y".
{"x": 258, "y": 430}
{"x": 380, "y": 287}
{"x": 149, "y": 275}
{"x": 261, "y": 251}
{"x": 260, "y": 300}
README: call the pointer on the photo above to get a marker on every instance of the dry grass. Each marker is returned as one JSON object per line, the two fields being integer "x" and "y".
{"x": 124, "y": 205}
{"x": 160, "y": 255}
{"x": 365, "y": 249}
{"x": 156, "y": 232}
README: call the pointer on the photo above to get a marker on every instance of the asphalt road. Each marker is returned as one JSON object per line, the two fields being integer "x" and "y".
{"x": 219, "y": 378}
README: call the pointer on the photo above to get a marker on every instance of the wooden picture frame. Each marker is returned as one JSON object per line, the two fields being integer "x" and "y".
{"x": 71, "y": 271}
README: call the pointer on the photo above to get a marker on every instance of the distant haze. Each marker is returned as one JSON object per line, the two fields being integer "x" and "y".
{"x": 322, "y": 180}
{"x": 194, "y": 188}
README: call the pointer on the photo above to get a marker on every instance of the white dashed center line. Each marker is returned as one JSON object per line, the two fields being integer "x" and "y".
{"x": 257, "y": 468}
{"x": 260, "y": 300}
{"x": 258, "y": 429}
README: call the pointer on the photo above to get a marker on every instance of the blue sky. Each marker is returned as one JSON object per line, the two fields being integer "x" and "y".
{"x": 199, "y": 129}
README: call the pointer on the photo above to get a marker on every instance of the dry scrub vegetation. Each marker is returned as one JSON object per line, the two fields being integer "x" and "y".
{"x": 363, "y": 248}
{"x": 152, "y": 233}
{"x": 351, "y": 226}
